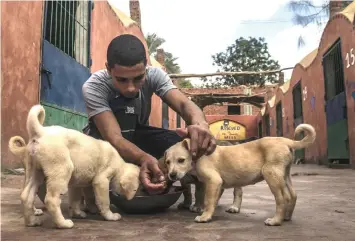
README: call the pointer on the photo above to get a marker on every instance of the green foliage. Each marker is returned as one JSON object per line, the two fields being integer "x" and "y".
{"x": 185, "y": 83}
{"x": 154, "y": 42}
{"x": 305, "y": 13}
{"x": 244, "y": 55}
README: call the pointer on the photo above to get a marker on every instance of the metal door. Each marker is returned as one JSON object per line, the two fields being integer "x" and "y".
{"x": 298, "y": 116}
{"x": 335, "y": 105}
{"x": 65, "y": 61}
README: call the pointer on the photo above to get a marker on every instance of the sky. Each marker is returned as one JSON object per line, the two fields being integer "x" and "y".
{"x": 195, "y": 30}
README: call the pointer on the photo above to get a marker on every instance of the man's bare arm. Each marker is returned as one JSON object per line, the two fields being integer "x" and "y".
{"x": 202, "y": 141}
{"x": 111, "y": 131}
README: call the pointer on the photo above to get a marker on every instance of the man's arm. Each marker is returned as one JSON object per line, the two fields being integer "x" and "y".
{"x": 110, "y": 130}
{"x": 202, "y": 141}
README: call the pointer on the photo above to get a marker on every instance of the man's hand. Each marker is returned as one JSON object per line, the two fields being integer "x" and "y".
{"x": 202, "y": 141}
{"x": 150, "y": 170}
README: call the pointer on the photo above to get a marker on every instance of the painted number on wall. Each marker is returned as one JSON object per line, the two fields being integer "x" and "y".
{"x": 350, "y": 58}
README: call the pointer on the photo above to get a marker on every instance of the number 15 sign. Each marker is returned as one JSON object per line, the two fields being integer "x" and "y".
{"x": 350, "y": 58}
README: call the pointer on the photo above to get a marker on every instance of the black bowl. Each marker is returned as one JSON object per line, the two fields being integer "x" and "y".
{"x": 142, "y": 204}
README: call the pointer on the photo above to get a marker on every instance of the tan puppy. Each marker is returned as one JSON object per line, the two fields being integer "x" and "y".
{"x": 268, "y": 158}
{"x": 17, "y": 146}
{"x": 68, "y": 158}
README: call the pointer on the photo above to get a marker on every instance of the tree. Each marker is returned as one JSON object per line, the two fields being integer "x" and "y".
{"x": 153, "y": 43}
{"x": 245, "y": 55}
{"x": 185, "y": 83}
{"x": 305, "y": 13}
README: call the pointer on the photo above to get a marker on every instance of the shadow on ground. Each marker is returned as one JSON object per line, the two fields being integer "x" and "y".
{"x": 325, "y": 211}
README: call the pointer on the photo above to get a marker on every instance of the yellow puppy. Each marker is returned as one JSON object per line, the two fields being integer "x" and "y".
{"x": 268, "y": 158}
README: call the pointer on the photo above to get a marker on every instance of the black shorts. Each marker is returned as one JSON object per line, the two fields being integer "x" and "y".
{"x": 153, "y": 140}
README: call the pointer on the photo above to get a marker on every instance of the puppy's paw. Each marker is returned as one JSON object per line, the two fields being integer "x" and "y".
{"x": 34, "y": 221}
{"x": 92, "y": 209}
{"x": 66, "y": 224}
{"x": 38, "y": 212}
{"x": 183, "y": 206}
{"x": 287, "y": 218}
{"x": 272, "y": 222}
{"x": 195, "y": 209}
{"x": 202, "y": 219}
{"x": 232, "y": 209}
{"x": 77, "y": 214}
{"x": 110, "y": 216}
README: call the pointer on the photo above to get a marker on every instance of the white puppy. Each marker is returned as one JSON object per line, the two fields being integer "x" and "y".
{"x": 68, "y": 158}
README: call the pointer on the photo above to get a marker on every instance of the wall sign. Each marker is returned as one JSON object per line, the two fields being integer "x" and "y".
{"x": 350, "y": 58}
{"x": 227, "y": 130}
{"x": 304, "y": 93}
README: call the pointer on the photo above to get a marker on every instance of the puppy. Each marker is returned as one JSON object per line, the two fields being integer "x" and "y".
{"x": 17, "y": 146}
{"x": 191, "y": 178}
{"x": 67, "y": 158}
{"x": 268, "y": 158}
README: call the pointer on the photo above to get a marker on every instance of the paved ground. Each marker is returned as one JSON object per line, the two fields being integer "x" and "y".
{"x": 325, "y": 211}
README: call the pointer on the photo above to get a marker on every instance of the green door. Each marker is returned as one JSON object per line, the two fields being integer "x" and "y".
{"x": 298, "y": 116}
{"x": 335, "y": 105}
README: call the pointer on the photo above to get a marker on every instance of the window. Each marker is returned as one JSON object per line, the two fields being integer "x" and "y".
{"x": 67, "y": 26}
{"x": 165, "y": 115}
{"x": 260, "y": 129}
{"x": 178, "y": 120}
{"x": 233, "y": 109}
{"x": 247, "y": 108}
{"x": 279, "y": 127}
{"x": 333, "y": 71}
{"x": 267, "y": 124}
{"x": 297, "y": 101}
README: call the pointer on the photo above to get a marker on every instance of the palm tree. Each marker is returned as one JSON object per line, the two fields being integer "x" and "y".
{"x": 153, "y": 43}
{"x": 305, "y": 13}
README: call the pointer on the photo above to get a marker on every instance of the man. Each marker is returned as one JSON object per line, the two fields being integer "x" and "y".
{"x": 118, "y": 101}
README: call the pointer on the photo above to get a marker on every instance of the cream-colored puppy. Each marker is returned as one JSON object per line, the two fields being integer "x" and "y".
{"x": 268, "y": 158}
{"x": 17, "y": 146}
{"x": 68, "y": 158}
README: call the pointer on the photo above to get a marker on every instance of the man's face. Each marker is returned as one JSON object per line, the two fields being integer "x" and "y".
{"x": 128, "y": 80}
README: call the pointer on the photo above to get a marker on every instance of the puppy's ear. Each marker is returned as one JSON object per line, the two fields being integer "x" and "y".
{"x": 161, "y": 163}
{"x": 186, "y": 143}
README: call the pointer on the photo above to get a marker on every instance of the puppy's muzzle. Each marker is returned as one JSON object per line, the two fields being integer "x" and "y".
{"x": 173, "y": 176}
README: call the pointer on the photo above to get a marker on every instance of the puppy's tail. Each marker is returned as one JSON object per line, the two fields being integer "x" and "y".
{"x": 310, "y": 136}
{"x": 35, "y": 121}
{"x": 17, "y": 146}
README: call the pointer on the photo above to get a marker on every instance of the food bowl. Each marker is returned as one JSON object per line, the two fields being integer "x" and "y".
{"x": 142, "y": 204}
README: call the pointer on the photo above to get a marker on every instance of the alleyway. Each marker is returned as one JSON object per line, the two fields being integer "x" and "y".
{"x": 325, "y": 211}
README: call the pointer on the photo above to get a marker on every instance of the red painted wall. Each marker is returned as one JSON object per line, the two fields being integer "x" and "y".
{"x": 21, "y": 34}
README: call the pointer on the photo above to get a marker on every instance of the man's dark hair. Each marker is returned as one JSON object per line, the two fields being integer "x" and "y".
{"x": 126, "y": 50}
